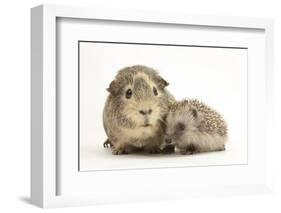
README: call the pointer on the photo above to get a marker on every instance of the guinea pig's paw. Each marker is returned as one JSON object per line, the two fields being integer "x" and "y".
{"x": 119, "y": 151}
{"x": 107, "y": 144}
{"x": 153, "y": 150}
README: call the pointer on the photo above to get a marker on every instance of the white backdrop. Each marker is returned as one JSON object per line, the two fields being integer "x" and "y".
{"x": 15, "y": 96}
{"x": 217, "y": 76}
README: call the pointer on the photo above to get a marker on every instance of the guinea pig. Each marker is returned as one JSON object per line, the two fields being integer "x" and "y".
{"x": 193, "y": 127}
{"x": 134, "y": 110}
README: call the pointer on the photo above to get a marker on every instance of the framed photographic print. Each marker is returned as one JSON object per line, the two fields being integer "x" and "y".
{"x": 129, "y": 106}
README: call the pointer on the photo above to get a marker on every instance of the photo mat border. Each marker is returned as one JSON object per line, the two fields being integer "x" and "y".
{"x": 155, "y": 44}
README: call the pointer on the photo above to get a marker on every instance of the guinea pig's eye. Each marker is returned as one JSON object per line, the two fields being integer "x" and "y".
{"x": 155, "y": 91}
{"x": 129, "y": 93}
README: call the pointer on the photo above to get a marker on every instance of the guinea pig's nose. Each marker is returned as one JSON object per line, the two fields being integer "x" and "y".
{"x": 145, "y": 112}
{"x": 168, "y": 140}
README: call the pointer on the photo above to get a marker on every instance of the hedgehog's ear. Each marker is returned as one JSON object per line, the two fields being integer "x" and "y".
{"x": 162, "y": 83}
{"x": 113, "y": 87}
{"x": 194, "y": 113}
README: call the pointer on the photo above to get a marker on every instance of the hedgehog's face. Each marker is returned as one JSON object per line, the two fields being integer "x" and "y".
{"x": 177, "y": 124}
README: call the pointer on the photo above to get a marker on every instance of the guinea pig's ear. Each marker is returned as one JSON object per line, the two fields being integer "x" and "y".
{"x": 113, "y": 87}
{"x": 162, "y": 83}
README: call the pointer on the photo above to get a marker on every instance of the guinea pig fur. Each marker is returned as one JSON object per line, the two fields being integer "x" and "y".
{"x": 193, "y": 127}
{"x": 134, "y": 110}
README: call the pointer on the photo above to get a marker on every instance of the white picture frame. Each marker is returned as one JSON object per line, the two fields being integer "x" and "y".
{"x": 44, "y": 153}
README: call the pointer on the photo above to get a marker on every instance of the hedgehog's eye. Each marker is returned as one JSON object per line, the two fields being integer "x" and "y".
{"x": 129, "y": 93}
{"x": 155, "y": 91}
{"x": 180, "y": 127}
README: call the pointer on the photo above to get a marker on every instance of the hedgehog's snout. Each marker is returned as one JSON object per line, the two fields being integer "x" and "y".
{"x": 168, "y": 141}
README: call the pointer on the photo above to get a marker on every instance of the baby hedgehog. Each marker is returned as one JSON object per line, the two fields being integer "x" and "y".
{"x": 193, "y": 127}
